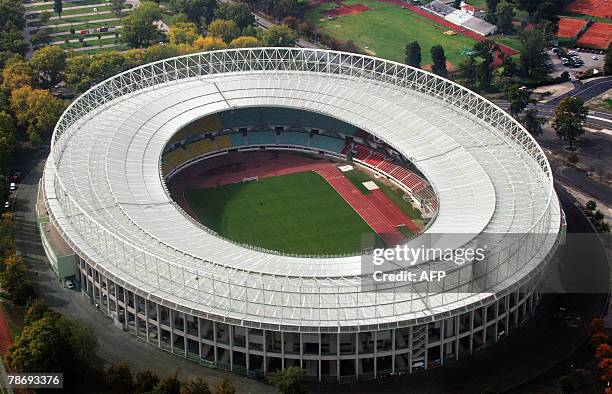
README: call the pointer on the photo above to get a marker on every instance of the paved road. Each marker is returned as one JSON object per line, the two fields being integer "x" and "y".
{"x": 115, "y": 346}
{"x": 579, "y": 179}
{"x": 586, "y": 90}
{"x": 595, "y": 119}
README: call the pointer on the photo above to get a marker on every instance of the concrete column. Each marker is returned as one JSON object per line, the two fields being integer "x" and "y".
{"x": 158, "y": 325}
{"x": 199, "y": 337}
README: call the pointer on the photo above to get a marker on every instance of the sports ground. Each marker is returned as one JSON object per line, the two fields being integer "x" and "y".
{"x": 386, "y": 28}
{"x": 296, "y": 213}
{"x": 297, "y": 204}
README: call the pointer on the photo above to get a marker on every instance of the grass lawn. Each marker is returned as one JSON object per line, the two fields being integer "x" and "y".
{"x": 76, "y": 11}
{"x": 76, "y": 36}
{"x": 66, "y": 4}
{"x": 513, "y": 41}
{"x": 297, "y": 213}
{"x": 82, "y": 26}
{"x": 387, "y": 28}
{"x": 98, "y": 50}
{"x": 92, "y": 43}
{"x": 81, "y": 19}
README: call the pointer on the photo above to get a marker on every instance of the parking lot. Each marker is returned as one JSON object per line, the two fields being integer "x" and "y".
{"x": 576, "y": 60}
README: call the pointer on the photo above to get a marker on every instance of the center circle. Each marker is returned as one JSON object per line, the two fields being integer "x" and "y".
{"x": 295, "y": 182}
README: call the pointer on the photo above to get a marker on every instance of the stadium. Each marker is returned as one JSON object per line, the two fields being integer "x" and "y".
{"x": 216, "y": 206}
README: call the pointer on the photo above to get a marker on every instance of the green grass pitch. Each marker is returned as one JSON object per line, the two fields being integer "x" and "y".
{"x": 297, "y": 213}
{"x": 387, "y": 28}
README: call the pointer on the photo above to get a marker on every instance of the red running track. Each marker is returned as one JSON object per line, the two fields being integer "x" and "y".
{"x": 380, "y": 220}
{"x": 5, "y": 335}
{"x": 390, "y": 210}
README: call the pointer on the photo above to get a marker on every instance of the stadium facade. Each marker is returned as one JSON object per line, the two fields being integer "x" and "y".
{"x": 178, "y": 286}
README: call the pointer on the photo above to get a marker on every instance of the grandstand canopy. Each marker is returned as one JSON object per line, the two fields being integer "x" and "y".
{"x": 105, "y": 190}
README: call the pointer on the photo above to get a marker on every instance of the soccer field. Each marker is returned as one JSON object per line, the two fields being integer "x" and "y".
{"x": 387, "y": 28}
{"x": 297, "y": 213}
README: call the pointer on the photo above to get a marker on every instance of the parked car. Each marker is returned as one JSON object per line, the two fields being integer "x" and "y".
{"x": 84, "y": 31}
{"x": 69, "y": 284}
{"x": 12, "y": 186}
{"x": 7, "y": 205}
{"x": 103, "y": 29}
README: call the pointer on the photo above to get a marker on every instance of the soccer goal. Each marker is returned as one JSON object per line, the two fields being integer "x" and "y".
{"x": 250, "y": 179}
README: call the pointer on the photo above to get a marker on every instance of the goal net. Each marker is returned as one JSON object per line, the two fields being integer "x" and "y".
{"x": 250, "y": 179}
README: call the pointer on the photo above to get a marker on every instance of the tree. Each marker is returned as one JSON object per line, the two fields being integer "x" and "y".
{"x": 484, "y": 52}
{"x": 209, "y": 43}
{"x": 532, "y": 54}
{"x": 279, "y": 36}
{"x": 139, "y": 27}
{"x": 504, "y": 16}
{"x": 438, "y": 58}
{"x": 119, "y": 379}
{"x": 413, "y": 54}
{"x": 532, "y": 122}
{"x": 57, "y": 7}
{"x": 8, "y": 134}
{"x": 244, "y": 42}
{"x": 237, "y": 12}
{"x": 17, "y": 73}
{"x": 196, "y": 386}
{"x": 225, "y": 386}
{"x": 591, "y": 205}
{"x": 145, "y": 382}
{"x": 37, "y": 110}
{"x": 169, "y": 385}
{"x": 117, "y": 6}
{"x": 457, "y": 4}
{"x": 569, "y": 119}
{"x": 527, "y": 5}
{"x": 37, "y": 309}
{"x": 53, "y": 343}
{"x": 224, "y": 29}
{"x": 608, "y": 63}
{"x": 48, "y": 64}
{"x": 491, "y": 10}
{"x": 468, "y": 69}
{"x": 288, "y": 380}
{"x": 40, "y": 38}
{"x": 183, "y": 33}
{"x": 198, "y": 11}
{"x": 518, "y": 98}
{"x": 37, "y": 349}
{"x": 13, "y": 279}
{"x": 603, "y": 351}
{"x": 43, "y": 19}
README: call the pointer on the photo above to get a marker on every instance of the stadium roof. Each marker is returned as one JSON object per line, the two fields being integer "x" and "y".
{"x": 105, "y": 191}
